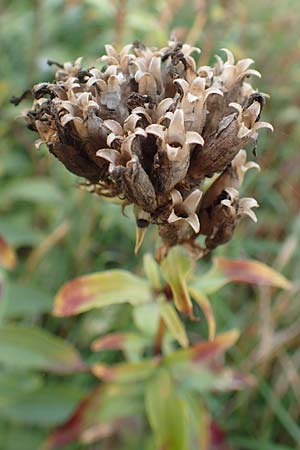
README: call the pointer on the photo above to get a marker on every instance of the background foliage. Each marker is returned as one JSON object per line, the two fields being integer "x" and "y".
{"x": 60, "y": 232}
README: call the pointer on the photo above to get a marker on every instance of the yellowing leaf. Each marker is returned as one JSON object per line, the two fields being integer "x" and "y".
{"x": 33, "y": 348}
{"x": 204, "y": 351}
{"x": 220, "y": 344}
{"x": 173, "y": 323}
{"x": 249, "y": 271}
{"x": 205, "y": 305}
{"x": 175, "y": 269}
{"x": 100, "y": 289}
{"x": 7, "y": 255}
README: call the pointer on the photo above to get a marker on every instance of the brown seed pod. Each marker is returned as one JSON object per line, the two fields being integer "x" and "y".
{"x": 153, "y": 127}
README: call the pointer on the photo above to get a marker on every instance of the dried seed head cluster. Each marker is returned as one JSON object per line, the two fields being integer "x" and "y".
{"x": 153, "y": 128}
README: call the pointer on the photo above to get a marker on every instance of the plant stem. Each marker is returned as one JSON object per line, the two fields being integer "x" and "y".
{"x": 157, "y": 350}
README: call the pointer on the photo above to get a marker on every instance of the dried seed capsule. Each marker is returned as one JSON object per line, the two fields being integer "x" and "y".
{"x": 150, "y": 127}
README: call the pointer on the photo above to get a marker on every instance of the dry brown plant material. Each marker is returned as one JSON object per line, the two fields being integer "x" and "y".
{"x": 154, "y": 128}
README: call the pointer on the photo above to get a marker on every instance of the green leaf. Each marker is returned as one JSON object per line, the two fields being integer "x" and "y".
{"x": 12, "y": 435}
{"x": 33, "y": 348}
{"x": 152, "y": 272}
{"x": 25, "y": 300}
{"x": 166, "y": 412}
{"x": 13, "y": 386}
{"x": 173, "y": 322}
{"x": 146, "y": 318}
{"x": 48, "y": 406}
{"x": 125, "y": 372}
{"x": 36, "y": 190}
{"x": 19, "y": 229}
{"x": 175, "y": 269}
{"x": 101, "y": 289}
{"x": 209, "y": 282}
{"x": 199, "y": 422}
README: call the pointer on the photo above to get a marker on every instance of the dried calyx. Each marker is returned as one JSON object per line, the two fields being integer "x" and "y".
{"x": 153, "y": 128}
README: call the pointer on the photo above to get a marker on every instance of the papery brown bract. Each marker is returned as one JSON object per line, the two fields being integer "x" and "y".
{"x": 150, "y": 123}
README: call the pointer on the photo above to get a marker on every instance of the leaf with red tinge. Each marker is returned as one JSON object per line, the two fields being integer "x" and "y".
{"x": 205, "y": 350}
{"x": 175, "y": 269}
{"x": 249, "y": 271}
{"x": 8, "y": 257}
{"x": 112, "y": 341}
{"x": 101, "y": 289}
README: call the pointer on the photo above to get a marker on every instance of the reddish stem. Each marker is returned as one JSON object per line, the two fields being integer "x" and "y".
{"x": 157, "y": 350}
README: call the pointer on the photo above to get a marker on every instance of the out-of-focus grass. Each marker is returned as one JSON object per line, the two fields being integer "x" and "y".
{"x": 60, "y": 231}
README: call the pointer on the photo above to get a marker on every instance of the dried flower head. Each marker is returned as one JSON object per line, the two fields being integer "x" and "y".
{"x": 150, "y": 126}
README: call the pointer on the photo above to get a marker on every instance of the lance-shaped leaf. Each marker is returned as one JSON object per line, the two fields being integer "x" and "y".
{"x": 166, "y": 412}
{"x": 175, "y": 269}
{"x": 204, "y": 351}
{"x": 33, "y": 348}
{"x": 199, "y": 422}
{"x": 7, "y": 255}
{"x": 173, "y": 322}
{"x": 101, "y": 289}
{"x": 249, "y": 271}
{"x": 125, "y": 372}
{"x": 45, "y": 406}
{"x": 220, "y": 344}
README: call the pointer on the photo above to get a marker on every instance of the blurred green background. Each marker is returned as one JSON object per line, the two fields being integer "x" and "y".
{"x": 60, "y": 231}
